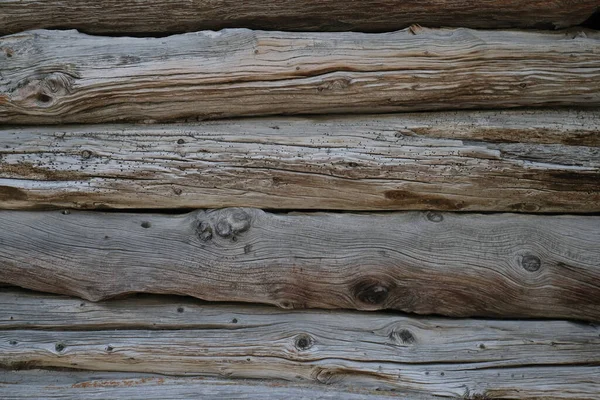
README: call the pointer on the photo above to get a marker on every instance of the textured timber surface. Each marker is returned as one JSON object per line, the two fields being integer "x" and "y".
{"x": 525, "y": 161}
{"x": 78, "y": 385}
{"x": 67, "y": 77}
{"x": 161, "y": 16}
{"x": 443, "y": 263}
{"x": 181, "y": 336}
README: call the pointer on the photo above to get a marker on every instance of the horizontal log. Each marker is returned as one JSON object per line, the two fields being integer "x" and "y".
{"x": 435, "y": 356}
{"x": 441, "y": 263}
{"x": 161, "y": 16}
{"x": 240, "y": 72}
{"x": 434, "y": 161}
{"x": 77, "y": 385}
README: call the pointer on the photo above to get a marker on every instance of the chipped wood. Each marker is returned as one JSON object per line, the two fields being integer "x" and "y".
{"x": 239, "y": 72}
{"x": 504, "y": 265}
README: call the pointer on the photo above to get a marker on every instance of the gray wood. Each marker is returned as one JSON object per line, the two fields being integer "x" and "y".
{"x": 65, "y": 76}
{"x": 236, "y": 330}
{"x": 443, "y": 263}
{"x": 160, "y": 16}
{"x": 430, "y": 356}
{"x": 77, "y": 385}
{"x": 531, "y": 161}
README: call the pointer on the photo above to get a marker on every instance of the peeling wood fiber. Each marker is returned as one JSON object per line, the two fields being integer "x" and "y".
{"x": 523, "y": 161}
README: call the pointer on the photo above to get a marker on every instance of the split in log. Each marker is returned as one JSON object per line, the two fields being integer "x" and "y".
{"x": 51, "y": 77}
{"x": 162, "y": 16}
{"x": 433, "y": 161}
{"x": 505, "y": 265}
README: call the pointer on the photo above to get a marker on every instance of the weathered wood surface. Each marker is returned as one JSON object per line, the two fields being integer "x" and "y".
{"x": 77, "y": 385}
{"x": 435, "y": 356}
{"x": 65, "y": 76}
{"x": 434, "y": 161}
{"x": 443, "y": 263}
{"x": 161, "y": 16}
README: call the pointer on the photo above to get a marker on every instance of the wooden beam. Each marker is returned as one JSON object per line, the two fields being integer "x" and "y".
{"x": 505, "y": 265}
{"x": 524, "y": 161}
{"x": 77, "y": 385}
{"x": 180, "y": 336}
{"x": 240, "y": 72}
{"x": 162, "y": 16}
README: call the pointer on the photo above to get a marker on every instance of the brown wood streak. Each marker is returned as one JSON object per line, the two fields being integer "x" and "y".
{"x": 506, "y": 265}
{"x": 239, "y": 72}
{"x": 524, "y": 161}
{"x": 160, "y": 16}
{"x": 182, "y": 336}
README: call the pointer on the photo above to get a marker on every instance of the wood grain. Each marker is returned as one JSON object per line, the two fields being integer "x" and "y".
{"x": 161, "y": 16}
{"x": 77, "y": 385}
{"x": 51, "y": 77}
{"x": 525, "y": 161}
{"x": 506, "y": 265}
{"x": 180, "y": 336}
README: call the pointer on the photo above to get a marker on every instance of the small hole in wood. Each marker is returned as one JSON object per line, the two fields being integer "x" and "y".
{"x": 59, "y": 347}
{"x": 234, "y": 321}
{"x": 146, "y": 224}
{"x": 43, "y": 98}
{"x": 180, "y": 309}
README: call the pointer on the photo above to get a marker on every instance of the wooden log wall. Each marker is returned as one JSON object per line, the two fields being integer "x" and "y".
{"x": 412, "y": 210}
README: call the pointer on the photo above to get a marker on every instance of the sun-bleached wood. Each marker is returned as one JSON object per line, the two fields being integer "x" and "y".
{"x": 526, "y": 161}
{"x": 162, "y": 16}
{"x": 55, "y": 77}
{"x": 77, "y": 385}
{"x": 443, "y": 263}
{"x": 182, "y": 336}
{"x": 434, "y": 356}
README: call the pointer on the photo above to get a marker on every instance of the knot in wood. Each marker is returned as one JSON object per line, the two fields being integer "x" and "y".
{"x": 231, "y": 222}
{"x": 303, "y": 342}
{"x": 371, "y": 292}
{"x": 402, "y": 336}
{"x": 531, "y": 263}
{"x": 204, "y": 231}
{"x": 434, "y": 216}
{"x": 42, "y": 91}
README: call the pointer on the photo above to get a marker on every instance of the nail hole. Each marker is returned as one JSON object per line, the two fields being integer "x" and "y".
{"x": 65, "y": 212}
{"x": 13, "y": 342}
{"x": 234, "y": 321}
{"x": 59, "y": 347}
{"x": 180, "y": 309}
{"x": 180, "y": 141}
{"x": 146, "y": 224}
{"x": 109, "y": 348}
{"x": 86, "y": 154}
